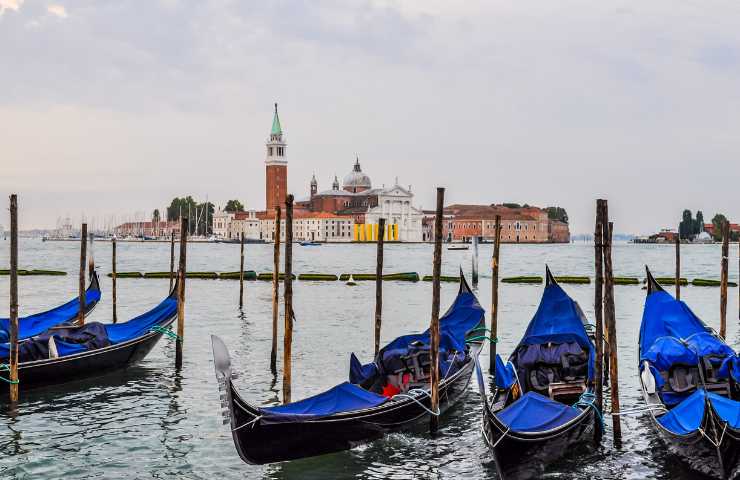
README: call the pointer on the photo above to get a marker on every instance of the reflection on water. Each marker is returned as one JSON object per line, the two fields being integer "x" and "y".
{"x": 153, "y": 422}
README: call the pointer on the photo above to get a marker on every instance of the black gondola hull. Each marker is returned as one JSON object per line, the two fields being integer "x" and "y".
{"x": 526, "y": 456}
{"x": 701, "y": 454}
{"x": 89, "y": 364}
{"x": 263, "y": 443}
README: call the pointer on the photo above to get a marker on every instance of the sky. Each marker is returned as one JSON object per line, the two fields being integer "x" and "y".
{"x": 109, "y": 109}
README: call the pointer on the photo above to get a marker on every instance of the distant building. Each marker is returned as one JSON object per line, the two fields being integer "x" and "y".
{"x": 518, "y": 225}
{"x": 276, "y": 166}
{"x": 734, "y": 229}
{"x": 147, "y": 229}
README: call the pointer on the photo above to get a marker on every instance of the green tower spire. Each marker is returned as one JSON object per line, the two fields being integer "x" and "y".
{"x": 276, "y": 129}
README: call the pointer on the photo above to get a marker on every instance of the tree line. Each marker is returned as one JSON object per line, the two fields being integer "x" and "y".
{"x": 691, "y": 226}
{"x": 200, "y": 214}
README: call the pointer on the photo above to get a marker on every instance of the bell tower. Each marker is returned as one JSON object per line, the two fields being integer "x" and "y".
{"x": 276, "y": 166}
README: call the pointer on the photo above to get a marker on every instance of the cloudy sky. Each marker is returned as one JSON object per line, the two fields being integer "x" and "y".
{"x": 114, "y": 107}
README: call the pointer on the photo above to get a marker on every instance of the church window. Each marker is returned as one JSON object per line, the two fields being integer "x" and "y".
{"x": 269, "y": 151}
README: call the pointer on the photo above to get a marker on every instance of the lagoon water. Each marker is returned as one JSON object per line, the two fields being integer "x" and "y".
{"x": 151, "y": 422}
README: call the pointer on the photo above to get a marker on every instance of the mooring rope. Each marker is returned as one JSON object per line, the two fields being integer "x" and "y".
{"x": 640, "y": 410}
{"x": 587, "y": 400}
{"x": 410, "y": 396}
{"x": 165, "y": 331}
{"x": 252, "y": 422}
{"x": 481, "y": 337}
{"x": 6, "y": 368}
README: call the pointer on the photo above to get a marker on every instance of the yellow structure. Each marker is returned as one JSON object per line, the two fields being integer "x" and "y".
{"x": 370, "y": 232}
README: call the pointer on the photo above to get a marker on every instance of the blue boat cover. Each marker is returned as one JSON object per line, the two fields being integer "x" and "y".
{"x": 505, "y": 375}
{"x": 40, "y": 322}
{"x": 68, "y": 344}
{"x": 344, "y": 397}
{"x": 686, "y": 417}
{"x": 358, "y": 372}
{"x": 664, "y": 316}
{"x": 558, "y": 320}
{"x": 139, "y": 326}
{"x": 536, "y": 413}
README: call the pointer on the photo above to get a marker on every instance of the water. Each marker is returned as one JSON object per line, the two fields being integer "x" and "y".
{"x": 150, "y": 422}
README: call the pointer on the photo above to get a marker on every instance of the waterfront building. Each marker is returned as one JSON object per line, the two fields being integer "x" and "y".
{"x": 310, "y": 226}
{"x": 366, "y": 205}
{"x": 147, "y": 229}
{"x": 518, "y": 224}
{"x": 276, "y": 166}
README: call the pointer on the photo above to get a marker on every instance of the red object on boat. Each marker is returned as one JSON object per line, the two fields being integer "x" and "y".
{"x": 390, "y": 390}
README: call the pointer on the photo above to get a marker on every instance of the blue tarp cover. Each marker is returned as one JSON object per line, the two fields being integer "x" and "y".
{"x": 136, "y": 327}
{"x": 116, "y": 333}
{"x": 686, "y": 417}
{"x": 536, "y": 413}
{"x": 664, "y": 316}
{"x": 505, "y": 376}
{"x": 344, "y": 397}
{"x": 558, "y": 320}
{"x": 40, "y": 322}
{"x": 667, "y": 351}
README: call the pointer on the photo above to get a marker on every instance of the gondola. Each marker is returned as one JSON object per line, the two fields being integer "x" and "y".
{"x": 691, "y": 385}
{"x": 40, "y": 322}
{"x": 309, "y": 243}
{"x": 388, "y": 394}
{"x": 542, "y": 405}
{"x": 68, "y": 352}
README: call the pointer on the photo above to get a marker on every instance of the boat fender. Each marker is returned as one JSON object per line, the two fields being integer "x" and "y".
{"x": 53, "y": 352}
{"x": 648, "y": 380}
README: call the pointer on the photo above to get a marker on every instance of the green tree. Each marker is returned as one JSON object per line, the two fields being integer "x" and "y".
{"x": 718, "y": 221}
{"x": 234, "y": 206}
{"x": 155, "y": 216}
{"x": 557, "y": 213}
{"x": 204, "y": 218}
{"x": 181, "y": 206}
{"x": 699, "y": 223}
{"x": 512, "y": 205}
{"x": 686, "y": 227}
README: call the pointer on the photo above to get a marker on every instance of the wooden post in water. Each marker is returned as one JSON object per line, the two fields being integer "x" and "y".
{"x": 724, "y": 279}
{"x": 113, "y": 278}
{"x": 610, "y": 320}
{"x": 678, "y": 267}
{"x": 288, "y": 294}
{"x": 241, "y": 271}
{"x": 434, "y": 327}
{"x": 172, "y": 258}
{"x": 379, "y": 284}
{"x": 599, "y": 306}
{"x": 181, "y": 273}
{"x": 494, "y": 295}
{"x": 275, "y": 292}
{"x": 13, "y": 300}
{"x": 474, "y": 273}
{"x": 83, "y": 260}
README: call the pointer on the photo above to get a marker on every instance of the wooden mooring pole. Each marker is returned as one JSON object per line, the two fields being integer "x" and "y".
{"x": 275, "y": 292}
{"x": 611, "y": 324}
{"x": 724, "y": 279}
{"x": 288, "y": 294}
{"x": 83, "y": 260}
{"x": 434, "y": 327}
{"x": 113, "y": 278}
{"x": 13, "y": 300}
{"x": 678, "y": 267}
{"x": 181, "y": 274}
{"x": 172, "y": 259}
{"x": 379, "y": 284}
{"x": 241, "y": 270}
{"x": 494, "y": 295}
{"x": 599, "y": 307}
{"x": 474, "y": 273}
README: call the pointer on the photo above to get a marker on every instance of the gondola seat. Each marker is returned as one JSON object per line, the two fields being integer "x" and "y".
{"x": 682, "y": 378}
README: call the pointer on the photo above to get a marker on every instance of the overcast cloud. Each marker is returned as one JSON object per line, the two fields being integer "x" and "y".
{"x": 113, "y": 107}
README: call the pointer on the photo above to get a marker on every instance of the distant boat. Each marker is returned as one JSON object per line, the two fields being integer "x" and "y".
{"x": 310, "y": 244}
{"x": 458, "y": 247}
{"x": 351, "y": 282}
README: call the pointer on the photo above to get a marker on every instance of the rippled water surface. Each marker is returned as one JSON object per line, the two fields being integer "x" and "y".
{"x": 151, "y": 422}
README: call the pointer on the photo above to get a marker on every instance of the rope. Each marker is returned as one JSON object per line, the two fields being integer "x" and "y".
{"x": 480, "y": 329}
{"x": 246, "y": 424}
{"x": 417, "y": 391}
{"x": 633, "y": 411}
{"x": 165, "y": 331}
{"x": 5, "y": 368}
{"x": 587, "y": 400}
{"x": 481, "y": 337}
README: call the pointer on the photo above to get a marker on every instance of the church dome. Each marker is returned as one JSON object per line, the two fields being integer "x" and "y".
{"x": 356, "y": 181}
